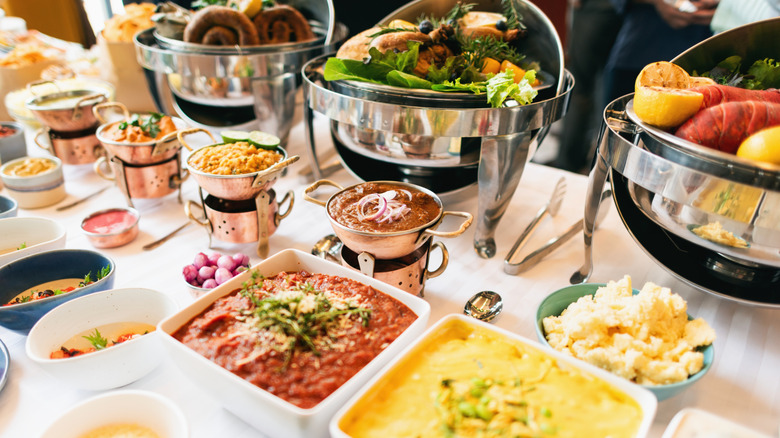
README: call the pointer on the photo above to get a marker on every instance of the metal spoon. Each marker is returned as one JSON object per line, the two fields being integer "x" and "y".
{"x": 160, "y": 241}
{"x": 328, "y": 248}
{"x": 484, "y": 305}
{"x": 79, "y": 201}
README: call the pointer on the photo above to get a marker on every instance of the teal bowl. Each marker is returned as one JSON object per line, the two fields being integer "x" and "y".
{"x": 558, "y": 301}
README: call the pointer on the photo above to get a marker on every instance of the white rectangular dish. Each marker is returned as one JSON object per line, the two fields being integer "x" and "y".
{"x": 462, "y": 374}
{"x": 268, "y": 413}
{"x": 696, "y": 423}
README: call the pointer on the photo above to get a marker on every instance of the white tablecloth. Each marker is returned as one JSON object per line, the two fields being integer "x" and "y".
{"x": 743, "y": 384}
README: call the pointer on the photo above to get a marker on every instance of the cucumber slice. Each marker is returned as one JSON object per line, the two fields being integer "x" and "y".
{"x": 234, "y": 136}
{"x": 264, "y": 140}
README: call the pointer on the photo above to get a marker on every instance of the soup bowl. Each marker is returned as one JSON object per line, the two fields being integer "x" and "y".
{"x": 393, "y": 243}
{"x": 112, "y": 313}
{"x": 37, "y": 271}
{"x": 24, "y": 236}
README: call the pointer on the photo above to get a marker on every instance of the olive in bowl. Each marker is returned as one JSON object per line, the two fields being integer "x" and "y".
{"x": 676, "y": 350}
{"x": 34, "y": 285}
{"x": 103, "y": 340}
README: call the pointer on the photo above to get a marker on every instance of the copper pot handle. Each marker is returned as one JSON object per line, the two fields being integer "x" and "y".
{"x": 38, "y": 134}
{"x": 98, "y": 167}
{"x": 315, "y": 186}
{"x": 77, "y": 108}
{"x": 97, "y": 110}
{"x": 180, "y": 135}
{"x": 445, "y": 259}
{"x": 466, "y": 223}
{"x": 188, "y": 210}
{"x": 288, "y": 198}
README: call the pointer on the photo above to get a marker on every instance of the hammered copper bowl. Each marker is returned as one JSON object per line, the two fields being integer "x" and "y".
{"x": 236, "y": 187}
{"x": 66, "y": 111}
{"x": 388, "y": 245}
{"x": 148, "y": 152}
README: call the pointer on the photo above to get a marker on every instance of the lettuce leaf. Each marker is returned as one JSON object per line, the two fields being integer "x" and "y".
{"x": 502, "y": 87}
{"x": 350, "y": 69}
{"x": 407, "y": 80}
{"x": 765, "y": 74}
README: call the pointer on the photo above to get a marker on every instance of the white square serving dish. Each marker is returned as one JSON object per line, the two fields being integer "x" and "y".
{"x": 696, "y": 423}
{"x": 268, "y": 413}
{"x": 449, "y": 336}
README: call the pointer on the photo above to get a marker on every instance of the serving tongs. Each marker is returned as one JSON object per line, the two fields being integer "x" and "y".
{"x": 551, "y": 208}
{"x": 533, "y": 258}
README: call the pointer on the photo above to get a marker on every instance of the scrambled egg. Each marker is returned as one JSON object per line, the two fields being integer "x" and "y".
{"x": 646, "y": 338}
{"x": 714, "y": 232}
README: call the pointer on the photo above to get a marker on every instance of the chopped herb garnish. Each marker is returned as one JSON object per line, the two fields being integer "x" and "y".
{"x": 149, "y": 124}
{"x": 22, "y": 246}
{"x": 97, "y": 340}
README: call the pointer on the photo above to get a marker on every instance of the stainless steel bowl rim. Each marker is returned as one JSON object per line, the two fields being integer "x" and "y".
{"x": 130, "y": 210}
{"x": 429, "y": 225}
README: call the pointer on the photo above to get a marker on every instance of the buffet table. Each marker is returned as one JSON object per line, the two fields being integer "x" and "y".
{"x": 743, "y": 384}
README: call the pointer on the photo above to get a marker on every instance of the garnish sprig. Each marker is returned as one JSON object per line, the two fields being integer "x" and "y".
{"x": 97, "y": 340}
{"x": 149, "y": 125}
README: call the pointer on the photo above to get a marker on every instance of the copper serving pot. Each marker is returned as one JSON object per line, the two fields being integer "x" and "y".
{"x": 389, "y": 245}
{"x": 407, "y": 273}
{"x": 143, "y": 182}
{"x": 65, "y": 111}
{"x": 148, "y": 152}
{"x": 71, "y": 147}
{"x": 235, "y": 187}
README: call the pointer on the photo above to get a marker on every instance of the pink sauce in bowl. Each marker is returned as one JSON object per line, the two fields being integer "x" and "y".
{"x": 112, "y": 227}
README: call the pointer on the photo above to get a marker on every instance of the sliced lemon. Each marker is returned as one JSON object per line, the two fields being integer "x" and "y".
{"x": 480, "y": 18}
{"x": 663, "y": 74}
{"x": 401, "y": 24}
{"x": 764, "y": 146}
{"x": 698, "y": 81}
{"x": 248, "y": 7}
{"x": 666, "y": 107}
{"x": 264, "y": 140}
{"x": 234, "y": 136}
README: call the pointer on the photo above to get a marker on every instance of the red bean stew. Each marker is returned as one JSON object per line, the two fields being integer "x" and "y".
{"x": 383, "y": 208}
{"x": 297, "y": 335}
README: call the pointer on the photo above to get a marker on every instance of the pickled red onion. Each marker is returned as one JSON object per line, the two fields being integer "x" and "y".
{"x": 388, "y": 209}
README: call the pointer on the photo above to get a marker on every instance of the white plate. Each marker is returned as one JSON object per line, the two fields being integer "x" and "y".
{"x": 695, "y": 423}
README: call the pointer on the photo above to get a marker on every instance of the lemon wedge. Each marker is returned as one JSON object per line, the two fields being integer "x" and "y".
{"x": 401, "y": 24}
{"x": 764, "y": 146}
{"x": 663, "y": 74}
{"x": 666, "y": 107}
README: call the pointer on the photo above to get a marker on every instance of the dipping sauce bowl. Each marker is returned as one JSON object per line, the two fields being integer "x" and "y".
{"x": 111, "y": 227}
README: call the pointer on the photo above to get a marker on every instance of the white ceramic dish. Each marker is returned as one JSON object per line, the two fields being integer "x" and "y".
{"x": 37, "y": 234}
{"x": 696, "y": 423}
{"x": 8, "y": 207}
{"x": 143, "y": 408}
{"x": 113, "y": 366}
{"x": 5, "y": 362}
{"x": 643, "y": 397}
{"x": 268, "y": 413}
{"x": 36, "y": 191}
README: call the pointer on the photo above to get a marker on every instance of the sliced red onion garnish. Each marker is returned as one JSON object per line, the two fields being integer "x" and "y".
{"x": 387, "y": 208}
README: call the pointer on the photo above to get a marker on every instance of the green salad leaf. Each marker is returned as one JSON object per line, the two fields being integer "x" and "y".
{"x": 761, "y": 75}
{"x": 502, "y": 87}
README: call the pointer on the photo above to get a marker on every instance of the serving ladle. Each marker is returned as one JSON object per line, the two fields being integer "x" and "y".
{"x": 328, "y": 248}
{"x": 484, "y": 306}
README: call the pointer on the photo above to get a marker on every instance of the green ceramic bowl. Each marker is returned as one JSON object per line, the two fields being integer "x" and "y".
{"x": 556, "y": 302}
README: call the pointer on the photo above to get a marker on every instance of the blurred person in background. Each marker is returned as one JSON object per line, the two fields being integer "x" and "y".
{"x": 653, "y": 30}
{"x": 594, "y": 27}
{"x": 734, "y": 13}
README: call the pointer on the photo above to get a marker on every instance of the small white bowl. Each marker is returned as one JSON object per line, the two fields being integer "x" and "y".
{"x": 273, "y": 416}
{"x": 36, "y": 191}
{"x": 111, "y": 367}
{"x": 12, "y": 146}
{"x": 143, "y": 408}
{"x": 36, "y": 234}
{"x": 8, "y": 207}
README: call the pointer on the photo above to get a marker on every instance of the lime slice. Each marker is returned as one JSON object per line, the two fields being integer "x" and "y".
{"x": 234, "y": 136}
{"x": 264, "y": 139}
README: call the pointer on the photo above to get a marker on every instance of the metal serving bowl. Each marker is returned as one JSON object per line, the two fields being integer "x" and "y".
{"x": 66, "y": 111}
{"x": 235, "y": 187}
{"x": 148, "y": 152}
{"x": 388, "y": 245}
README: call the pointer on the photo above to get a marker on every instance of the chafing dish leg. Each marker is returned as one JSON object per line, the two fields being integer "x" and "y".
{"x": 596, "y": 181}
{"x": 501, "y": 164}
